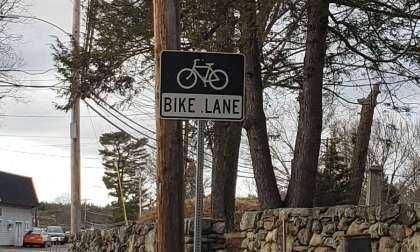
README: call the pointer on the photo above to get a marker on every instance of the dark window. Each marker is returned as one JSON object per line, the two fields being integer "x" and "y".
{"x": 1, "y": 212}
{"x": 357, "y": 244}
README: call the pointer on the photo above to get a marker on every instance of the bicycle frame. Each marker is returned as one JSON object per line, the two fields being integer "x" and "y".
{"x": 204, "y": 79}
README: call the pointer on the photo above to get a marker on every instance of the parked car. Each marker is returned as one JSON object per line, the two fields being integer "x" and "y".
{"x": 56, "y": 234}
{"x": 36, "y": 236}
{"x": 67, "y": 236}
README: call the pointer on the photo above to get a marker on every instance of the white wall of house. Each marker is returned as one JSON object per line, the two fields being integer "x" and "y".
{"x": 10, "y": 217}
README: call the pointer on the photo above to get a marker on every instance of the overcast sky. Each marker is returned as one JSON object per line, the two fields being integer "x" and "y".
{"x": 34, "y": 137}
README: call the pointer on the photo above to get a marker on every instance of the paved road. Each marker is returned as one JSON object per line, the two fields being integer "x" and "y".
{"x": 51, "y": 249}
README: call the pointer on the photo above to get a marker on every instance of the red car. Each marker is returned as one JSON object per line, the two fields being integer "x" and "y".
{"x": 36, "y": 236}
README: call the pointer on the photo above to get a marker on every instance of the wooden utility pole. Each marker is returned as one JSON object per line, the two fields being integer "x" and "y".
{"x": 169, "y": 138}
{"x": 75, "y": 129}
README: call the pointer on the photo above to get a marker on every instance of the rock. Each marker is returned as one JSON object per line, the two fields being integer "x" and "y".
{"x": 350, "y": 212}
{"x": 324, "y": 249}
{"x": 268, "y": 225}
{"x": 271, "y": 236}
{"x": 408, "y": 231}
{"x": 386, "y": 244}
{"x": 150, "y": 240}
{"x": 274, "y": 247}
{"x": 266, "y": 247}
{"x": 301, "y": 212}
{"x": 250, "y": 235}
{"x": 316, "y": 226}
{"x": 218, "y": 227}
{"x": 344, "y": 224}
{"x": 300, "y": 248}
{"x": 378, "y": 229}
{"x": 371, "y": 214}
{"x": 329, "y": 242}
{"x": 358, "y": 227}
{"x": 260, "y": 224}
{"x": 414, "y": 243}
{"x": 407, "y": 215}
{"x": 261, "y": 235}
{"x": 328, "y": 229}
{"x": 304, "y": 236}
{"x": 338, "y": 235}
{"x": 316, "y": 240}
{"x": 244, "y": 243}
{"x": 290, "y": 240}
{"x": 397, "y": 232}
{"x": 416, "y": 227}
{"x": 189, "y": 248}
{"x": 387, "y": 212}
{"x": 249, "y": 220}
{"x": 416, "y": 207}
{"x": 251, "y": 246}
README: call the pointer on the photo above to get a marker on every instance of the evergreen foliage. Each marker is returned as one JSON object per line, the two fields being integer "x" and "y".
{"x": 130, "y": 156}
{"x": 333, "y": 185}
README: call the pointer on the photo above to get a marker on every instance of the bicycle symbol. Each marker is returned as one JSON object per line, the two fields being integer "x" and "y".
{"x": 216, "y": 78}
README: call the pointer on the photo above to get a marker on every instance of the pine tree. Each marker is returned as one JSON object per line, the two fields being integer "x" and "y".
{"x": 130, "y": 156}
{"x": 333, "y": 183}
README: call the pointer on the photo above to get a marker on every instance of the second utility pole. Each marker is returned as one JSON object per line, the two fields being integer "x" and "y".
{"x": 75, "y": 213}
{"x": 169, "y": 161}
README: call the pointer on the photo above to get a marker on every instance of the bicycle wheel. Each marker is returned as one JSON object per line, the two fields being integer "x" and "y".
{"x": 186, "y": 78}
{"x": 218, "y": 79}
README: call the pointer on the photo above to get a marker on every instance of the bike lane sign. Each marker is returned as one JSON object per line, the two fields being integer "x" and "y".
{"x": 202, "y": 85}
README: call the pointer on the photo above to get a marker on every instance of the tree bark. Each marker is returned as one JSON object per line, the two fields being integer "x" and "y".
{"x": 255, "y": 121}
{"x": 170, "y": 228}
{"x": 226, "y": 139}
{"x": 361, "y": 147}
{"x": 305, "y": 162}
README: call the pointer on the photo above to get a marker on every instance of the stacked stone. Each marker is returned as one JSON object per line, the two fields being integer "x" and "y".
{"x": 120, "y": 239}
{"x": 142, "y": 238}
{"x": 213, "y": 239}
{"x": 390, "y": 228}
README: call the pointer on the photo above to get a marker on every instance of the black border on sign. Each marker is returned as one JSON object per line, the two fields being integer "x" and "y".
{"x": 201, "y": 118}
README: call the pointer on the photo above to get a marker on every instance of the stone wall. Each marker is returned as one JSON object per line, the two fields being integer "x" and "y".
{"x": 142, "y": 238}
{"x": 390, "y": 228}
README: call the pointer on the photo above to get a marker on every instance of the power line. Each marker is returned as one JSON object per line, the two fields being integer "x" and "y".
{"x": 113, "y": 124}
{"x": 43, "y": 154}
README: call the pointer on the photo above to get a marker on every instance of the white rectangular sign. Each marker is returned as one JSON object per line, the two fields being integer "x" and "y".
{"x": 201, "y": 106}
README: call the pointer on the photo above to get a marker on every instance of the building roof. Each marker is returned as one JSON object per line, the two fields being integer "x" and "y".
{"x": 17, "y": 190}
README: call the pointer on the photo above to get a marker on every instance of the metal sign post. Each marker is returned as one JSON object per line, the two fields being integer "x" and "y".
{"x": 198, "y": 214}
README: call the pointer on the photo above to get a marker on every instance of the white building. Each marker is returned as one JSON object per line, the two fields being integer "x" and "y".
{"x": 17, "y": 203}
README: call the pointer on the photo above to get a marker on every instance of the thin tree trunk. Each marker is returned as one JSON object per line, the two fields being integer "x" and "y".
{"x": 360, "y": 150}
{"x": 255, "y": 122}
{"x": 189, "y": 171}
{"x": 305, "y": 162}
{"x": 226, "y": 139}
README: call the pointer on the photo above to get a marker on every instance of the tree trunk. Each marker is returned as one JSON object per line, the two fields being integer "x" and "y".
{"x": 305, "y": 162}
{"x": 361, "y": 146}
{"x": 226, "y": 139}
{"x": 255, "y": 121}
